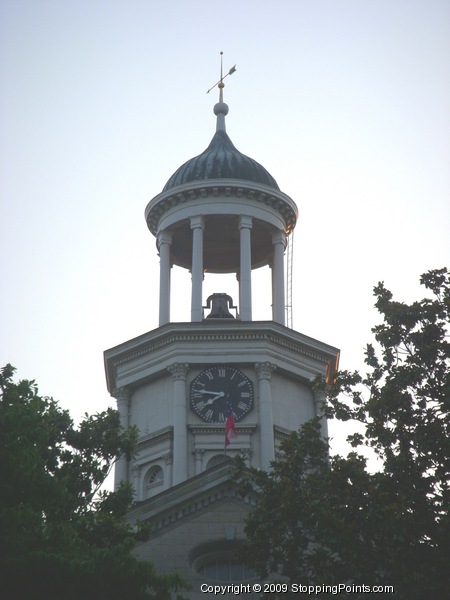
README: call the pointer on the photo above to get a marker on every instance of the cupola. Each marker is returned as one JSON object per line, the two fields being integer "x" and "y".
{"x": 222, "y": 212}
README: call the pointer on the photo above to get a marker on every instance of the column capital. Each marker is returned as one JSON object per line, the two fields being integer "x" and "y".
{"x": 264, "y": 370}
{"x": 179, "y": 371}
{"x": 197, "y": 222}
{"x": 164, "y": 237}
{"x": 245, "y": 222}
{"x": 279, "y": 237}
{"x": 122, "y": 394}
{"x": 168, "y": 458}
{"x": 198, "y": 452}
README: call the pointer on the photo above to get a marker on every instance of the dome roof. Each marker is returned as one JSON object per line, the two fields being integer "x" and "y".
{"x": 221, "y": 160}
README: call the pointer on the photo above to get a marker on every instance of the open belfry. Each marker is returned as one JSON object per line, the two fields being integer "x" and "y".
{"x": 221, "y": 385}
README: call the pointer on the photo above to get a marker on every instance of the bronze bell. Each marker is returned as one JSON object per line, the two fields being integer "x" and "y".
{"x": 219, "y": 304}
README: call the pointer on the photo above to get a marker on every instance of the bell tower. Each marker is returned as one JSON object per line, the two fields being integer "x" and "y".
{"x": 183, "y": 383}
{"x": 222, "y": 212}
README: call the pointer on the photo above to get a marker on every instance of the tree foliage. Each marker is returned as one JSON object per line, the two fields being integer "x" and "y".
{"x": 60, "y": 538}
{"x": 327, "y": 520}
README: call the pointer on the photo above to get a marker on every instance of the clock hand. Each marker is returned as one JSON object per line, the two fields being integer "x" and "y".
{"x": 203, "y": 392}
{"x": 211, "y": 400}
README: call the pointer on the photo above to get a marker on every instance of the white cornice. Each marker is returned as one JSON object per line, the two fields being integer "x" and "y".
{"x": 148, "y": 356}
{"x": 244, "y": 191}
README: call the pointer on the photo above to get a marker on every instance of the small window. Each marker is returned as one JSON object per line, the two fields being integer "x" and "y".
{"x": 154, "y": 478}
{"x": 156, "y": 474}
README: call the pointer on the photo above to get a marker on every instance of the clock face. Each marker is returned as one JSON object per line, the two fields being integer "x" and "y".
{"x": 211, "y": 390}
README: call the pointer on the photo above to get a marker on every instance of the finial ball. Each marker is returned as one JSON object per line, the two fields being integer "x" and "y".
{"x": 221, "y": 108}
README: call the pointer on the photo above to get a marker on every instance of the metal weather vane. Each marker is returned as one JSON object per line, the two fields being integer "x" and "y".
{"x": 222, "y": 77}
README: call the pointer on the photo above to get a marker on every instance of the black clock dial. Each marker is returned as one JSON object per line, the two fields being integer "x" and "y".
{"x": 211, "y": 390}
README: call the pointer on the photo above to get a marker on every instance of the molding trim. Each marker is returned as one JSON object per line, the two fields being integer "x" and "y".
{"x": 220, "y": 429}
{"x": 213, "y": 188}
{"x": 155, "y": 438}
{"x": 186, "y": 500}
{"x": 280, "y": 433}
{"x": 223, "y": 336}
{"x": 183, "y": 341}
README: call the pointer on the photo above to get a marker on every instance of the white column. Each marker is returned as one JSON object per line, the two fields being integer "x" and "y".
{"x": 197, "y": 268}
{"x": 264, "y": 373}
{"x": 137, "y": 483}
{"x": 179, "y": 472}
{"x": 278, "y": 299}
{"x": 164, "y": 242}
{"x": 245, "y": 272}
{"x": 198, "y": 460}
{"x": 246, "y": 454}
{"x": 320, "y": 399}
{"x": 168, "y": 461}
{"x": 122, "y": 396}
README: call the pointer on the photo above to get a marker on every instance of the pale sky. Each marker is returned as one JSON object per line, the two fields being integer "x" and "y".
{"x": 345, "y": 102}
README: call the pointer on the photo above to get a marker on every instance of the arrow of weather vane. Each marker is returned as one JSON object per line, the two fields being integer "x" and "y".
{"x": 220, "y": 82}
